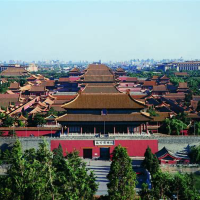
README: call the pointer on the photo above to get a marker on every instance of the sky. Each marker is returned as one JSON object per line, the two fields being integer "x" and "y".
{"x": 93, "y": 30}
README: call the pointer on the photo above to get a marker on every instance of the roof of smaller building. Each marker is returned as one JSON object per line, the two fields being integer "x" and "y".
{"x": 14, "y": 85}
{"x": 6, "y": 99}
{"x": 9, "y": 92}
{"x": 182, "y": 85}
{"x": 161, "y": 116}
{"x": 149, "y": 83}
{"x": 22, "y": 118}
{"x": 154, "y": 77}
{"x": 50, "y": 117}
{"x": 75, "y": 70}
{"x": 37, "y": 109}
{"x": 15, "y": 71}
{"x": 164, "y": 152}
{"x": 195, "y": 98}
{"x": 164, "y": 77}
{"x": 48, "y": 83}
{"x": 49, "y": 101}
{"x": 63, "y": 79}
{"x": 160, "y": 88}
{"x": 64, "y": 97}
{"x": 128, "y": 79}
{"x": 120, "y": 69}
{"x": 175, "y": 96}
{"x": 32, "y": 77}
{"x": 39, "y": 88}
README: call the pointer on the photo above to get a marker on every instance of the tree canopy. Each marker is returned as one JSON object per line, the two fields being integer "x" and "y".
{"x": 150, "y": 162}
{"x": 122, "y": 178}
{"x": 42, "y": 175}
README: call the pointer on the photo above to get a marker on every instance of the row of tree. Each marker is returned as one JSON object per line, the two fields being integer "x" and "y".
{"x": 47, "y": 175}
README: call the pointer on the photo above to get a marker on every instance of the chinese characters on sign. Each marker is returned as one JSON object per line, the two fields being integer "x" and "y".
{"x": 104, "y": 142}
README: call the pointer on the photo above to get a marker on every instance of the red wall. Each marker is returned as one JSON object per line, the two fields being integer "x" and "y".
{"x": 28, "y": 133}
{"x": 134, "y": 147}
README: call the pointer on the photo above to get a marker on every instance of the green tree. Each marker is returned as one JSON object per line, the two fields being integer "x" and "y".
{"x": 152, "y": 112}
{"x": 72, "y": 178}
{"x": 35, "y": 175}
{"x": 52, "y": 111}
{"x": 196, "y": 128}
{"x": 150, "y": 162}
{"x": 8, "y": 121}
{"x": 2, "y": 115}
{"x": 122, "y": 178}
{"x": 58, "y": 158}
{"x": 183, "y": 187}
{"x": 161, "y": 183}
{"x": 173, "y": 126}
{"x": 183, "y": 117}
{"x": 198, "y": 106}
{"x": 20, "y": 123}
{"x": 194, "y": 154}
{"x": 39, "y": 119}
{"x": 176, "y": 80}
{"x": 29, "y": 180}
{"x": 188, "y": 96}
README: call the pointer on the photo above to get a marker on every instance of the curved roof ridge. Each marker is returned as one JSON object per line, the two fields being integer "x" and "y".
{"x": 71, "y": 101}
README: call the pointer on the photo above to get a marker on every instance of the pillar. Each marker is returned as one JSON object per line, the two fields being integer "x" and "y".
{"x": 128, "y": 130}
{"x": 114, "y": 129}
{"x": 140, "y": 129}
{"x": 67, "y": 130}
{"x": 94, "y": 130}
{"x": 81, "y": 130}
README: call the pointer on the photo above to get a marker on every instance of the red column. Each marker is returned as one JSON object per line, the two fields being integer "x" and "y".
{"x": 140, "y": 129}
{"x": 94, "y": 130}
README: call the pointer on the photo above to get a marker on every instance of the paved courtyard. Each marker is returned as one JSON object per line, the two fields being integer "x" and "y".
{"x": 102, "y": 167}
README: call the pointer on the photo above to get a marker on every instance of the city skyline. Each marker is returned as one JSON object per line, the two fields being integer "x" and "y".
{"x": 107, "y": 31}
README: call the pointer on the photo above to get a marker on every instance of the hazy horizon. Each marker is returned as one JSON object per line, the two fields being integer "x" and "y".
{"x": 94, "y": 30}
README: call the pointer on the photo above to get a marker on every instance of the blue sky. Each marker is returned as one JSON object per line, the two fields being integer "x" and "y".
{"x": 93, "y": 30}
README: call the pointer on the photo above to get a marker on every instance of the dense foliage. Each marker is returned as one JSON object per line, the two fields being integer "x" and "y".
{"x": 150, "y": 162}
{"x": 173, "y": 126}
{"x": 152, "y": 112}
{"x": 167, "y": 186}
{"x": 195, "y": 154}
{"x": 43, "y": 175}
{"x": 122, "y": 178}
